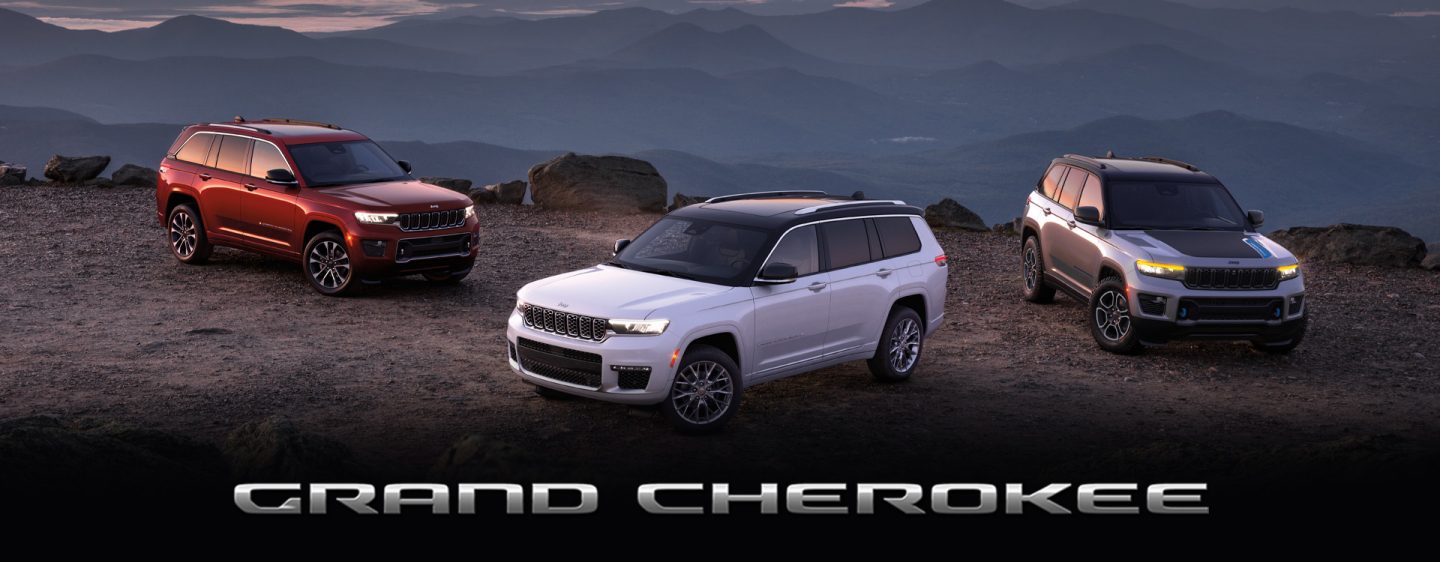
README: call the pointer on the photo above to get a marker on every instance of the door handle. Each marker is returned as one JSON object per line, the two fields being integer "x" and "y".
{"x": 1072, "y": 224}
{"x": 817, "y": 286}
{"x": 883, "y": 273}
{"x": 1045, "y": 210}
{"x": 206, "y": 177}
{"x": 251, "y": 187}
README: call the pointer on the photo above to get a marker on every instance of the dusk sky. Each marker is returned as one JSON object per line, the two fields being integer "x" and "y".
{"x": 319, "y": 15}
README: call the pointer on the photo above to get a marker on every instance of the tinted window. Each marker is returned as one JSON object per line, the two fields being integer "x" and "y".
{"x": 340, "y": 163}
{"x": 696, "y": 249}
{"x": 1074, "y": 181}
{"x": 1051, "y": 183}
{"x": 897, "y": 236}
{"x": 265, "y": 158}
{"x": 1092, "y": 196}
{"x": 846, "y": 243}
{"x": 875, "y": 250}
{"x": 799, "y": 249}
{"x": 196, "y": 149}
{"x": 234, "y": 154}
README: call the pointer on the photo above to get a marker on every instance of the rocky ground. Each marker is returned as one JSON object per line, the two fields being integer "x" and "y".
{"x": 101, "y": 323}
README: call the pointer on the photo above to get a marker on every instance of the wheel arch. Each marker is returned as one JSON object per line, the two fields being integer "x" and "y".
{"x": 726, "y": 340}
{"x": 316, "y": 225}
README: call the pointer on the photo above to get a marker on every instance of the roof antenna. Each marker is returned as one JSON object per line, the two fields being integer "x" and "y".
{"x": 1110, "y": 154}
{"x": 858, "y": 195}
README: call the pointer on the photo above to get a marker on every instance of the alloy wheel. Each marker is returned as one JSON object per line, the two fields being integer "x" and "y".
{"x": 1032, "y": 267}
{"x": 703, "y": 391}
{"x": 183, "y": 234}
{"x": 904, "y": 345}
{"x": 1112, "y": 315}
{"x": 329, "y": 264}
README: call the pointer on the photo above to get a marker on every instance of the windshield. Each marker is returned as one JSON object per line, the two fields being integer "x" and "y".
{"x": 340, "y": 163}
{"x": 694, "y": 249}
{"x": 1173, "y": 206}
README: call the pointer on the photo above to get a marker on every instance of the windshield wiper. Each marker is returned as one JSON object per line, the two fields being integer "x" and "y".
{"x": 669, "y": 273}
{"x": 614, "y": 263}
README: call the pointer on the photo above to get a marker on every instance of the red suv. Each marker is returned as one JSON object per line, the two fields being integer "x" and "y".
{"x": 315, "y": 193}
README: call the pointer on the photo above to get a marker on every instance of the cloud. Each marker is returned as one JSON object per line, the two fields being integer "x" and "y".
{"x": 865, "y": 4}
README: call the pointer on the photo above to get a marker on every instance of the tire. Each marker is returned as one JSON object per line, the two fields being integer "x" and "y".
{"x": 1109, "y": 319}
{"x": 326, "y": 265}
{"x": 901, "y": 345}
{"x": 186, "y": 234}
{"x": 447, "y": 277}
{"x": 551, "y": 394}
{"x": 1032, "y": 265}
{"x": 706, "y": 391}
{"x": 1287, "y": 347}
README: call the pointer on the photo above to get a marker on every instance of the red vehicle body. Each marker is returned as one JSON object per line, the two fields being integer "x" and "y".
{"x": 369, "y": 221}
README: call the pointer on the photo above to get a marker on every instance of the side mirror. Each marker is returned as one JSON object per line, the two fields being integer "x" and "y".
{"x": 280, "y": 176}
{"x": 1257, "y": 218}
{"x": 621, "y": 244}
{"x": 405, "y": 165}
{"x": 778, "y": 274}
{"x": 1088, "y": 215}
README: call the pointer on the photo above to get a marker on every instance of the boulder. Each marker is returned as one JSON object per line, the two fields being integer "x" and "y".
{"x": 12, "y": 174}
{"x": 274, "y": 450}
{"x": 617, "y": 183}
{"x": 138, "y": 176}
{"x": 682, "y": 200}
{"x": 1007, "y": 228}
{"x": 98, "y": 182}
{"x": 482, "y": 196}
{"x": 509, "y": 193}
{"x": 1353, "y": 244}
{"x": 75, "y": 170}
{"x": 1432, "y": 257}
{"x": 949, "y": 214}
{"x": 477, "y": 458}
{"x": 453, "y": 184}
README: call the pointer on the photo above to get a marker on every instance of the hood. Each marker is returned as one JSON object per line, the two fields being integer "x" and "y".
{"x": 1207, "y": 244}
{"x": 392, "y": 194}
{"x": 611, "y": 292}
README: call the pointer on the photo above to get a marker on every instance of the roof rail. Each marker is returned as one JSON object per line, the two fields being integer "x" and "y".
{"x": 246, "y": 127}
{"x": 829, "y": 206}
{"x": 766, "y": 195}
{"x": 1084, "y": 158}
{"x": 284, "y": 121}
{"x": 1169, "y": 161}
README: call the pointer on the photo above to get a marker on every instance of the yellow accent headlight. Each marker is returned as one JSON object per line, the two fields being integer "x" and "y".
{"x": 1163, "y": 270}
{"x": 1289, "y": 271}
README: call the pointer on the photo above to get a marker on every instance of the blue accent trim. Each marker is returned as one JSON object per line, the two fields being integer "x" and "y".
{"x": 1259, "y": 248}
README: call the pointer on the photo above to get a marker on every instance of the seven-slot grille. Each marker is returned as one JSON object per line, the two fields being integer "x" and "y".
{"x": 565, "y": 324}
{"x": 1231, "y": 278}
{"x": 558, "y": 363}
{"x": 433, "y": 220}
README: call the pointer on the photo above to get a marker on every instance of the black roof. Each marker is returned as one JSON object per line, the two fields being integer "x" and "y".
{"x": 1148, "y": 168}
{"x": 779, "y": 213}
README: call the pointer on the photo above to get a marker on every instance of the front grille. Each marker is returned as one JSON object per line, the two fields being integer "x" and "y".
{"x": 433, "y": 220}
{"x": 634, "y": 380}
{"x": 557, "y": 363}
{"x": 565, "y": 324}
{"x": 1231, "y": 309}
{"x": 1231, "y": 278}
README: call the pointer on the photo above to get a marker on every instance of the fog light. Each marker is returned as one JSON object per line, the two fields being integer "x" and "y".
{"x": 373, "y": 248}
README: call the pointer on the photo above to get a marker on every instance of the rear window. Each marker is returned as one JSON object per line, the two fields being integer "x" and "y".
{"x": 196, "y": 149}
{"x": 234, "y": 154}
{"x": 897, "y": 236}
{"x": 846, "y": 243}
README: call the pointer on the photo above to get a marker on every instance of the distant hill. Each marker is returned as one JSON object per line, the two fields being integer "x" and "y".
{"x": 686, "y": 45}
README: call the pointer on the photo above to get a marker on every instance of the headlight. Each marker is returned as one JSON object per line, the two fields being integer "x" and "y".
{"x": 1289, "y": 271}
{"x": 1162, "y": 270}
{"x": 520, "y": 306}
{"x": 376, "y": 218}
{"x": 639, "y": 327}
{"x": 469, "y": 211}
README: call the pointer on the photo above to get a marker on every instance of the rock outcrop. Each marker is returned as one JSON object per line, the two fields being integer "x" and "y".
{"x": 616, "y": 183}
{"x": 138, "y": 176}
{"x": 482, "y": 196}
{"x": 274, "y": 450}
{"x": 682, "y": 200}
{"x": 12, "y": 174}
{"x": 1432, "y": 257}
{"x": 75, "y": 170}
{"x": 950, "y": 214}
{"x": 1011, "y": 228}
{"x": 453, "y": 184}
{"x": 510, "y": 192}
{"x": 1353, "y": 244}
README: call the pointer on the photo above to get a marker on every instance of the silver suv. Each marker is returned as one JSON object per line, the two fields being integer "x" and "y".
{"x": 1160, "y": 251}
{"x": 739, "y": 290}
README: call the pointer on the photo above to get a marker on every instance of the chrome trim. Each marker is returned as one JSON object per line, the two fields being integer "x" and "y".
{"x": 430, "y": 220}
{"x": 252, "y": 152}
{"x": 809, "y": 210}
{"x": 753, "y": 194}
{"x": 811, "y": 223}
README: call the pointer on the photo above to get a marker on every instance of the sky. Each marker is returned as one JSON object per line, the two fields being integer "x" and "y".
{"x": 341, "y": 15}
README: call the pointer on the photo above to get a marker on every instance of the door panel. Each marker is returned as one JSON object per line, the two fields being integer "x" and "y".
{"x": 859, "y": 293}
{"x": 270, "y": 210}
{"x": 790, "y": 322}
{"x": 1058, "y": 236}
{"x": 229, "y": 160}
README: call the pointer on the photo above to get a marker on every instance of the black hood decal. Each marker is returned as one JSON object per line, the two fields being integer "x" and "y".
{"x": 1207, "y": 244}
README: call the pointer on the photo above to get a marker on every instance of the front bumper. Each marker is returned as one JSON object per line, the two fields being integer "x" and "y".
{"x": 379, "y": 253}
{"x": 601, "y": 378}
{"x": 1274, "y": 315}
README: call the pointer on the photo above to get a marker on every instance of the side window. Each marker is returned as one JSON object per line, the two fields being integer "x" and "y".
{"x": 1093, "y": 196}
{"x": 897, "y": 236}
{"x": 1070, "y": 193}
{"x": 846, "y": 243}
{"x": 234, "y": 154}
{"x": 1051, "y": 184}
{"x": 266, "y": 157}
{"x": 875, "y": 249}
{"x": 799, "y": 249}
{"x": 196, "y": 148}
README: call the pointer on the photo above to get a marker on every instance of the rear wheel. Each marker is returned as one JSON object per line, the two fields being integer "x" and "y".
{"x": 1034, "y": 272}
{"x": 705, "y": 393}
{"x": 327, "y": 265}
{"x": 900, "y": 346}
{"x": 1110, "y": 321}
{"x": 186, "y": 235}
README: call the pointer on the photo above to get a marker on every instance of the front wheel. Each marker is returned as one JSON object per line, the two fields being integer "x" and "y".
{"x": 1110, "y": 321}
{"x": 706, "y": 391}
{"x": 900, "y": 346}
{"x": 327, "y": 265}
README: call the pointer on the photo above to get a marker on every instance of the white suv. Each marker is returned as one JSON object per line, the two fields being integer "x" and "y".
{"x": 729, "y": 293}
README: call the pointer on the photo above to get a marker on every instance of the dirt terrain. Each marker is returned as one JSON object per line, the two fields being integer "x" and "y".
{"x": 100, "y": 321}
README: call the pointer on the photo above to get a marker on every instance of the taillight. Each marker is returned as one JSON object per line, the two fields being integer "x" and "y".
{"x": 940, "y": 260}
